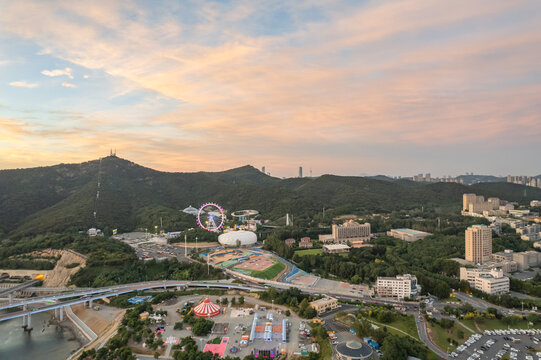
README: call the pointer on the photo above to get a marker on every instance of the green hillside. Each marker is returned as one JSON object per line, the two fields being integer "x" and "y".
{"x": 62, "y": 197}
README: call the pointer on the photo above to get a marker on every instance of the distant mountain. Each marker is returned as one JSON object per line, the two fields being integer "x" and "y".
{"x": 63, "y": 197}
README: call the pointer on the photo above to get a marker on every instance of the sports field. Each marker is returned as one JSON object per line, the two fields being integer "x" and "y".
{"x": 309, "y": 252}
{"x": 269, "y": 273}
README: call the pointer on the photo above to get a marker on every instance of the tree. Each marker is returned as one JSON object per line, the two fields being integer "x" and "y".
{"x": 234, "y": 301}
{"x": 309, "y": 313}
{"x": 202, "y": 327}
{"x": 178, "y": 326}
{"x": 241, "y": 300}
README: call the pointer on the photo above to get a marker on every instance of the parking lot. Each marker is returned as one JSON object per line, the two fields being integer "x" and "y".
{"x": 517, "y": 344}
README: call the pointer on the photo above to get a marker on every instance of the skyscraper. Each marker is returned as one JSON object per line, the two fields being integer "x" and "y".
{"x": 300, "y": 171}
{"x": 263, "y": 169}
{"x": 478, "y": 244}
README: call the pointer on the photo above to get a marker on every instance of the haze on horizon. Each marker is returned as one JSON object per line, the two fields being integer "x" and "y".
{"x": 343, "y": 87}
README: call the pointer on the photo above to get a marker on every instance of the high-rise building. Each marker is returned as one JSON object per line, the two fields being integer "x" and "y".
{"x": 263, "y": 169}
{"x": 300, "y": 171}
{"x": 478, "y": 244}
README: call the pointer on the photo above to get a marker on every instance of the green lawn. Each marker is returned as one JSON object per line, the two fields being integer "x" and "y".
{"x": 440, "y": 335}
{"x": 309, "y": 252}
{"x": 404, "y": 323}
{"x": 269, "y": 273}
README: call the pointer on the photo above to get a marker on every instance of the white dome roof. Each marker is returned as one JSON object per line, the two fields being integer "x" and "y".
{"x": 191, "y": 210}
{"x": 230, "y": 238}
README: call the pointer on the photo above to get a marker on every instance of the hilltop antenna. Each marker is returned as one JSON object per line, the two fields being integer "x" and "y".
{"x": 310, "y": 172}
{"x": 185, "y": 245}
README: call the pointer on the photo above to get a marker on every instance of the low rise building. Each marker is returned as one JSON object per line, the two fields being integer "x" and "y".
{"x": 324, "y": 304}
{"x": 527, "y": 259}
{"x": 306, "y": 243}
{"x": 490, "y": 281}
{"x": 519, "y": 212}
{"x": 335, "y": 248}
{"x": 530, "y": 232}
{"x": 535, "y": 203}
{"x": 290, "y": 242}
{"x": 325, "y": 238}
{"x": 400, "y": 287}
{"x": 408, "y": 234}
{"x": 503, "y": 255}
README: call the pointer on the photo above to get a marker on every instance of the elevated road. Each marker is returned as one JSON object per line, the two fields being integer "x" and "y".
{"x": 18, "y": 287}
{"x": 78, "y": 297}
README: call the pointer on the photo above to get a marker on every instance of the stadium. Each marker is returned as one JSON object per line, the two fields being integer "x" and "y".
{"x": 237, "y": 238}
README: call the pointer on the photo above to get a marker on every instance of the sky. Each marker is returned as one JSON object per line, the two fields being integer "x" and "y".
{"x": 345, "y": 87}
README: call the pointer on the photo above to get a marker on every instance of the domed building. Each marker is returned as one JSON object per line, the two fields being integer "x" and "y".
{"x": 191, "y": 210}
{"x": 238, "y": 238}
{"x": 354, "y": 350}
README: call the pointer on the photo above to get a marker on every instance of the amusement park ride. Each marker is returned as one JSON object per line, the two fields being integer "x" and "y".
{"x": 211, "y": 217}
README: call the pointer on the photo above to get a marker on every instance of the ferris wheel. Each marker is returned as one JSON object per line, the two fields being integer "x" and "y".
{"x": 211, "y": 217}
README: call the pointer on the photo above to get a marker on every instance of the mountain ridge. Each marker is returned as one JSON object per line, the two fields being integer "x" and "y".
{"x": 62, "y": 197}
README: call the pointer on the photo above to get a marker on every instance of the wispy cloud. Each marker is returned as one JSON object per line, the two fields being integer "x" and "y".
{"x": 68, "y": 84}
{"x": 341, "y": 78}
{"x": 23, "y": 84}
{"x": 59, "y": 72}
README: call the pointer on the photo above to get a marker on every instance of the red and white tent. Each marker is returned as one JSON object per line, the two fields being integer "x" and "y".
{"x": 206, "y": 309}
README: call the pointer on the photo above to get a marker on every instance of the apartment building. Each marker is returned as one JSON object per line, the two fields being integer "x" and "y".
{"x": 402, "y": 286}
{"x": 478, "y": 244}
{"x": 474, "y": 204}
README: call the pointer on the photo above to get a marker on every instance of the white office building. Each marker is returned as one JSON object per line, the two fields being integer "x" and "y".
{"x": 490, "y": 281}
{"x": 400, "y": 287}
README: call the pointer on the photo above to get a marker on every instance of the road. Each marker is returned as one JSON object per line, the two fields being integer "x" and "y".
{"x": 482, "y": 305}
{"x": 423, "y": 335}
{"x": 79, "y": 297}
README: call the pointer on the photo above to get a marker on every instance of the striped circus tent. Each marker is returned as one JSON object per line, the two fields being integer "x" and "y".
{"x": 206, "y": 309}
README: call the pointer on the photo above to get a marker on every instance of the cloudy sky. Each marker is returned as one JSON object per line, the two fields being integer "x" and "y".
{"x": 344, "y": 87}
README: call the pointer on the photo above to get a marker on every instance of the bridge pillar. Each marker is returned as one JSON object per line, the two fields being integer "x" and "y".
{"x": 29, "y": 322}
{"x": 56, "y": 313}
{"x": 62, "y": 314}
{"x": 24, "y": 307}
{"x": 10, "y": 298}
{"x": 90, "y": 303}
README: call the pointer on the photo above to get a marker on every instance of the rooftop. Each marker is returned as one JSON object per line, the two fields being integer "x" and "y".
{"x": 336, "y": 246}
{"x": 411, "y": 231}
{"x": 354, "y": 349}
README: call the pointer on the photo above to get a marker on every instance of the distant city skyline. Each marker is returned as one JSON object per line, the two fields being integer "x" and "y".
{"x": 393, "y": 88}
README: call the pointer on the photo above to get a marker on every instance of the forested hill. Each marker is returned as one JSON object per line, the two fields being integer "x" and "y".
{"x": 62, "y": 197}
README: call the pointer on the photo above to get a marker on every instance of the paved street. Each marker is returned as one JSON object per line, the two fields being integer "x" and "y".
{"x": 423, "y": 335}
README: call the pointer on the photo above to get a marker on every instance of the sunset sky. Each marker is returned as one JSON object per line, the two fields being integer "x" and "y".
{"x": 344, "y": 87}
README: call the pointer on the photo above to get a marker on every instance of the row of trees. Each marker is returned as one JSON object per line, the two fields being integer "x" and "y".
{"x": 292, "y": 298}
